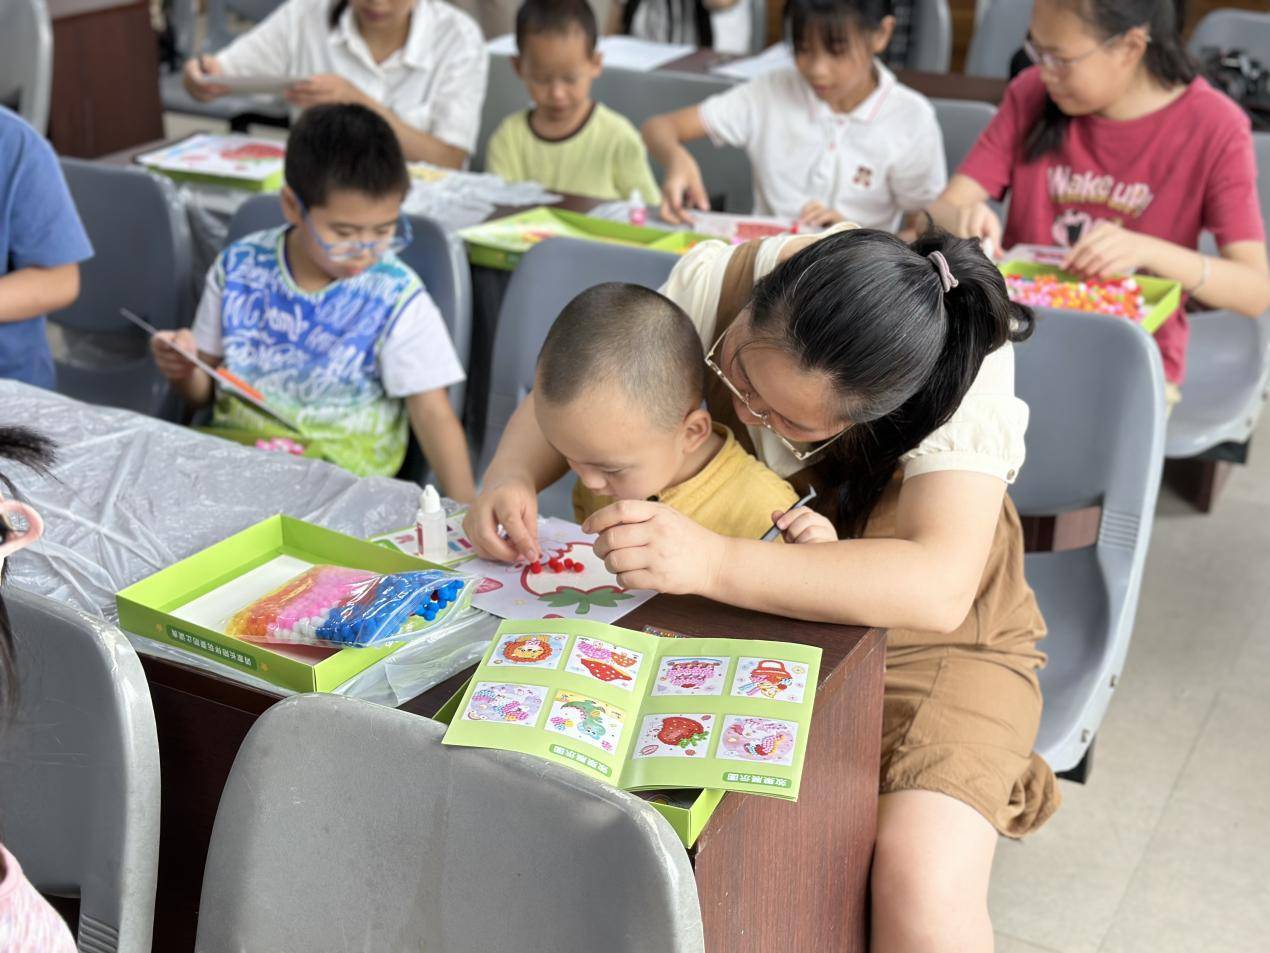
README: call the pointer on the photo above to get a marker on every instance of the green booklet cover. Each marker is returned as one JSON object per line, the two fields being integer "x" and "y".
{"x": 645, "y": 712}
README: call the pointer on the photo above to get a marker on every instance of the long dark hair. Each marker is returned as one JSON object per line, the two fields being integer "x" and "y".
{"x": 838, "y": 24}
{"x": 871, "y": 314}
{"x": 1166, "y": 59}
{"x": 36, "y": 453}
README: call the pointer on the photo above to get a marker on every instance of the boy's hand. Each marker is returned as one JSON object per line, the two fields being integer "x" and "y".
{"x": 651, "y": 546}
{"x": 322, "y": 89}
{"x": 816, "y": 215}
{"x": 804, "y": 525}
{"x": 978, "y": 221}
{"x": 513, "y": 505}
{"x": 197, "y": 79}
{"x": 683, "y": 190}
{"x": 173, "y": 365}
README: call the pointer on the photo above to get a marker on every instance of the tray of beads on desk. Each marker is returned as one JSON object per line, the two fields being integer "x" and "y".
{"x": 1142, "y": 299}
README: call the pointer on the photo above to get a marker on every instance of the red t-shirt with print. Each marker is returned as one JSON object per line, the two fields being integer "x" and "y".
{"x": 1180, "y": 170}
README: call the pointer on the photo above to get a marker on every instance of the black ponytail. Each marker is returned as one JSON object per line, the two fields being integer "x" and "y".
{"x": 1166, "y": 59}
{"x": 36, "y": 453}
{"x": 337, "y": 11}
{"x": 871, "y": 314}
{"x": 838, "y": 24}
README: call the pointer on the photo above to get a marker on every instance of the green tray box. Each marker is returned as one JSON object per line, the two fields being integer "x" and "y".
{"x": 1163, "y": 296}
{"x": 503, "y": 242}
{"x": 146, "y": 607}
{"x": 686, "y": 822}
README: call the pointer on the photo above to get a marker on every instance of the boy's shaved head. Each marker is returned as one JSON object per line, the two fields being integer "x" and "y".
{"x": 630, "y": 337}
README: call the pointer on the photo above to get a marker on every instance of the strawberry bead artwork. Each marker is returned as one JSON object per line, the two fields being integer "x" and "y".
{"x": 674, "y": 736}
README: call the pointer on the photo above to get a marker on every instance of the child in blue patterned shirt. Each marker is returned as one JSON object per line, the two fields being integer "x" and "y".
{"x": 324, "y": 320}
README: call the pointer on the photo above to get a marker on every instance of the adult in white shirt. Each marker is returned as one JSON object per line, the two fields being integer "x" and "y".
{"x": 835, "y": 139}
{"x": 885, "y": 374}
{"x": 421, "y": 64}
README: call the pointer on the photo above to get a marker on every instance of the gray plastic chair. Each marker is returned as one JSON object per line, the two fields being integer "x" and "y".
{"x": 437, "y": 256}
{"x": 26, "y": 60}
{"x": 638, "y": 97}
{"x": 239, "y": 111}
{"x": 961, "y": 121}
{"x": 549, "y": 276}
{"x": 141, "y": 261}
{"x": 79, "y": 772}
{"x": 1095, "y": 387}
{"x": 999, "y": 33}
{"x": 346, "y": 824}
{"x": 1229, "y": 29}
{"x": 1228, "y": 364}
{"x": 930, "y": 43}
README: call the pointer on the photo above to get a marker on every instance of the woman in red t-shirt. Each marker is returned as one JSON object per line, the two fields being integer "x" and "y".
{"x": 1113, "y": 147}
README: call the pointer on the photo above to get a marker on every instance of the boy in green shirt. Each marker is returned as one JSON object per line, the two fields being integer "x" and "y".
{"x": 567, "y": 141}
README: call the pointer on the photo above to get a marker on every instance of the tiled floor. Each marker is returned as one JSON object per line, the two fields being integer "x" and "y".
{"x": 1167, "y": 849}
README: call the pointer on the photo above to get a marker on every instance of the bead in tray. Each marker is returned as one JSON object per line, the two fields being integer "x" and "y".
{"x": 1116, "y": 296}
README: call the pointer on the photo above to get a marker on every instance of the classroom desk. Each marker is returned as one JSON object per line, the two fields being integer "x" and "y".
{"x": 772, "y": 877}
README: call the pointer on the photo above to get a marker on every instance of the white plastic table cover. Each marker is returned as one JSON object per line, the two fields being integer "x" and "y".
{"x": 131, "y": 495}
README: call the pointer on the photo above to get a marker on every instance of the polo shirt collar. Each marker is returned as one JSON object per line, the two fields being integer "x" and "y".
{"x": 869, "y": 108}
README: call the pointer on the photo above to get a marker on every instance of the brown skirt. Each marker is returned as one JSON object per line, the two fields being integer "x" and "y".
{"x": 961, "y": 709}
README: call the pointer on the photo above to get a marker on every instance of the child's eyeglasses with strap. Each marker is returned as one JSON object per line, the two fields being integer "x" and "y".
{"x": 801, "y": 456}
{"x": 351, "y": 249}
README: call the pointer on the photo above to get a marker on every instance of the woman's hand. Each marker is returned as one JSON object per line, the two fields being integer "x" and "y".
{"x": 1108, "y": 250}
{"x": 650, "y": 546}
{"x": 683, "y": 189}
{"x": 197, "y": 78}
{"x": 512, "y": 504}
{"x": 321, "y": 89}
{"x": 804, "y": 525}
{"x": 817, "y": 215}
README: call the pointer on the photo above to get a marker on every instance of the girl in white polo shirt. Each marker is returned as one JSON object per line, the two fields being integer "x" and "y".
{"x": 837, "y": 138}
{"x": 421, "y": 64}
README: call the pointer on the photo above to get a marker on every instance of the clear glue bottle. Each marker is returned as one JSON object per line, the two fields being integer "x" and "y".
{"x": 430, "y": 530}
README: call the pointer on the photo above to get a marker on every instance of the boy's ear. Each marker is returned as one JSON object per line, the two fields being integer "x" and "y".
{"x": 291, "y": 206}
{"x": 516, "y": 66}
{"x": 696, "y": 428}
{"x": 597, "y": 63}
{"x": 881, "y": 37}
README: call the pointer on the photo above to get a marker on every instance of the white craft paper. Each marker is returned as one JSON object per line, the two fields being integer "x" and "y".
{"x": 777, "y": 56}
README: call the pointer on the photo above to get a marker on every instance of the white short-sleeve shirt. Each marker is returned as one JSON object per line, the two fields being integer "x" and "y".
{"x": 435, "y": 83}
{"x": 984, "y": 435}
{"x": 871, "y": 165}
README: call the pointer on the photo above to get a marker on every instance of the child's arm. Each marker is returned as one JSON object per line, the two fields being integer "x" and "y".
{"x": 682, "y": 188}
{"x": 30, "y": 292}
{"x": 1237, "y": 281}
{"x": 443, "y": 442}
{"x": 963, "y": 210}
{"x": 193, "y": 384}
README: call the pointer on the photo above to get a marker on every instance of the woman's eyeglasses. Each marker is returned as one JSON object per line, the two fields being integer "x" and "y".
{"x": 1061, "y": 64}
{"x": 763, "y": 418}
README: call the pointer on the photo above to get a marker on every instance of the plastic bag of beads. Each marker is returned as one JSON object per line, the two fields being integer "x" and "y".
{"x": 342, "y": 607}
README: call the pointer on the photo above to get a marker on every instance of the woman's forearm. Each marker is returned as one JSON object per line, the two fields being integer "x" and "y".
{"x": 1234, "y": 285}
{"x": 419, "y": 146}
{"x": 524, "y": 452}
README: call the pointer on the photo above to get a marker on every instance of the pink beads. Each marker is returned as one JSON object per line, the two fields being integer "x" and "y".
{"x": 1115, "y": 296}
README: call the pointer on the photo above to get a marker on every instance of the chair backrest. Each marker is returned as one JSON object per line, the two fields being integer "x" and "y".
{"x": 437, "y": 256}
{"x": 961, "y": 121}
{"x": 930, "y": 42}
{"x": 548, "y": 278}
{"x": 141, "y": 261}
{"x": 638, "y": 97}
{"x": 431, "y": 847}
{"x": 79, "y": 771}
{"x": 1095, "y": 388}
{"x": 999, "y": 33}
{"x": 1229, "y": 29}
{"x": 26, "y": 60}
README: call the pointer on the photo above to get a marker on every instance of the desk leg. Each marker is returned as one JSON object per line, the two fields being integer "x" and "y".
{"x": 775, "y": 877}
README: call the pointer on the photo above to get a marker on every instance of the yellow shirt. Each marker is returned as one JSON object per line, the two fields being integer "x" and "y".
{"x": 604, "y": 159}
{"x": 733, "y": 495}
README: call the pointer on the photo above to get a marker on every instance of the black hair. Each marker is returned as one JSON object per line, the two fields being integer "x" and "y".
{"x": 337, "y": 11}
{"x": 344, "y": 146}
{"x": 838, "y": 24}
{"x": 631, "y": 336}
{"x": 536, "y": 17}
{"x": 1166, "y": 59}
{"x": 871, "y": 314}
{"x": 35, "y": 452}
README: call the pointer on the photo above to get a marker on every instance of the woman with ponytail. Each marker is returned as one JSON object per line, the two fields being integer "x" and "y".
{"x": 1113, "y": 148}
{"x": 882, "y": 373}
{"x": 420, "y": 64}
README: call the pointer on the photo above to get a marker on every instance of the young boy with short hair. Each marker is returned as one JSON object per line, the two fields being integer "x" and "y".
{"x": 324, "y": 320}
{"x": 41, "y": 244}
{"x": 567, "y": 141}
{"x": 619, "y": 390}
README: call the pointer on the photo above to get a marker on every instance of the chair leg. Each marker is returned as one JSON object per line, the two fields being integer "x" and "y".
{"x": 1198, "y": 480}
{"x": 1080, "y": 773}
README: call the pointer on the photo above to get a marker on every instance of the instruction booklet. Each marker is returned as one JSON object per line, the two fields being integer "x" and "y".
{"x": 645, "y": 712}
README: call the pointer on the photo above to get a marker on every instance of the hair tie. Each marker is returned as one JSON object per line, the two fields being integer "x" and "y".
{"x": 946, "y": 277}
